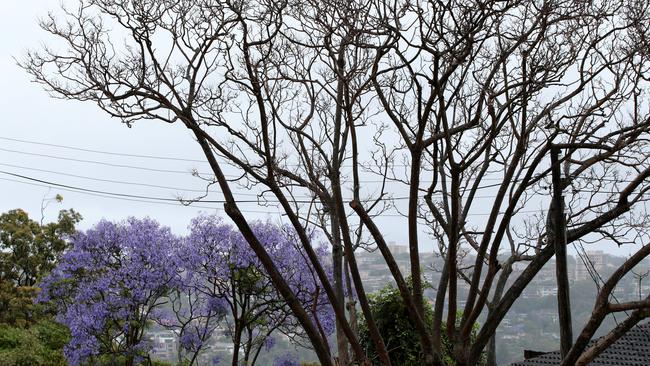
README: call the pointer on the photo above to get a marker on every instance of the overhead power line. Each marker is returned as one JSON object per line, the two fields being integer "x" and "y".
{"x": 179, "y": 201}
{"x": 115, "y": 181}
{"x": 101, "y": 162}
{"x": 173, "y": 158}
{"x": 168, "y": 203}
{"x": 177, "y": 204}
{"x": 144, "y": 198}
{"x": 203, "y": 191}
{"x": 104, "y": 195}
{"x": 186, "y": 172}
{"x": 126, "y": 195}
{"x": 103, "y": 152}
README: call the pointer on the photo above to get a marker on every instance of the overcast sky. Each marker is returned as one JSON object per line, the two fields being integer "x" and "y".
{"x": 31, "y": 115}
{"x": 39, "y": 121}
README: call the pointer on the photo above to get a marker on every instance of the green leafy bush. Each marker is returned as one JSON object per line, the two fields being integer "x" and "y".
{"x": 396, "y": 328}
{"x": 38, "y": 345}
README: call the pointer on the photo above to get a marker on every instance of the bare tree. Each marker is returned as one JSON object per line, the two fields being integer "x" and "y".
{"x": 349, "y": 115}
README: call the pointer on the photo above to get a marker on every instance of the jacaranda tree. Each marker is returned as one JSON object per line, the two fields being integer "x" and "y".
{"x": 221, "y": 267}
{"x": 118, "y": 279}
{"x": 107, "y": 286}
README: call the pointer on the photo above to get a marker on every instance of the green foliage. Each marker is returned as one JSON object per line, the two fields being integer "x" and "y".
{"x": 28, "y": 252}
{"x": 39, "y": 345}
{"x": 162, "y": 363}
{"x": 118, "y": 360}
{"x": 397, "y": 329}
{"x": 391, "y": 316}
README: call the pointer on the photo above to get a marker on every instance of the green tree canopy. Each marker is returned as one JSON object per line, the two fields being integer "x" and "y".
{"x": 38, "y": 345}
{"x": 29, "y": 250}
{"x": 398, "y": 331}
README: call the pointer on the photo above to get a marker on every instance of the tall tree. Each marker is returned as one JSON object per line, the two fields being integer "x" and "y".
{"x": 28, "y": 252}
{"x": 443, "y": 113}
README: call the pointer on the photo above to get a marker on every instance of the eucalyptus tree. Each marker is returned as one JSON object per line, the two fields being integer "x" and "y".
{"x": 347, "y": 114}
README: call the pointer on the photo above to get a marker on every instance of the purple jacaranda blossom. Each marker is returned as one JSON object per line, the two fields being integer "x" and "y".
{"x": 269, "y": 343}
{"x": 190, "y": 339}
{"x": 286, "y": 360}
{"x": 119, "y": 278}
{"x": 216, "y": 304}
{"x": 107, "y": 285}
{"x": 221, "y": 264}
{"x": 215, "y": 360}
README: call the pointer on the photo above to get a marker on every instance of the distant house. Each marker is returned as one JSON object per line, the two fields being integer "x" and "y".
{"x": 164, "y": 344}
{"x": 632, "y": 349}
{"x": 596, "y": 263}
{"x": 397, "y": 249}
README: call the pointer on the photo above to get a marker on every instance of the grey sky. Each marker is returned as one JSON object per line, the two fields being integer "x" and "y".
{"x": 29, "y": 113}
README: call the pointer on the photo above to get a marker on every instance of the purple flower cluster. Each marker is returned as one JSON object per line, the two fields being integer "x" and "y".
{"x": 119, "y": 278}
{"x": 107, "y": 285}
{"x": 217, "y": 259}
{"x": 286, "y": 360}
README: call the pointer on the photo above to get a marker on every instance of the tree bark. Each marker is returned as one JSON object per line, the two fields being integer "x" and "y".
{"x": 558, "y": 226}
{"x": 337, "y": 273}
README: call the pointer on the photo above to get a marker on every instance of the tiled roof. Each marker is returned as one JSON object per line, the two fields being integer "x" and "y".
{"x": 632, "y": 349}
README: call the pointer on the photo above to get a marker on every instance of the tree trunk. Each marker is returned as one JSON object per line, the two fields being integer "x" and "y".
{"x": 558, "y": 228}
{"x": 232, "y": 210}
{"x": 236, "y": 343}
{"x": 337, "y": 269}
{"x": 492, "y": 352}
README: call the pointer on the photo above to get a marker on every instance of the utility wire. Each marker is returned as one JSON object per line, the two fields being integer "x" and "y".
{"x": 164, "y": 170}
{"x": 104, "y": 195}
{"x": 162, "y": 157}
{"x": 101, "y": 162}
{"x": 103, "y": 152}
{"x": 126, "y": 199}
{"x": 126, "y": 195}
{"x": 186, "y": 172}
{"x": 164, "y": 199}
{"x": 302, "y": 200}
{"x": 177, "y": 188}
{"x": 438, "y": 194}
{"x": 168, "y": 203}
{"x": 114, "y": 181}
